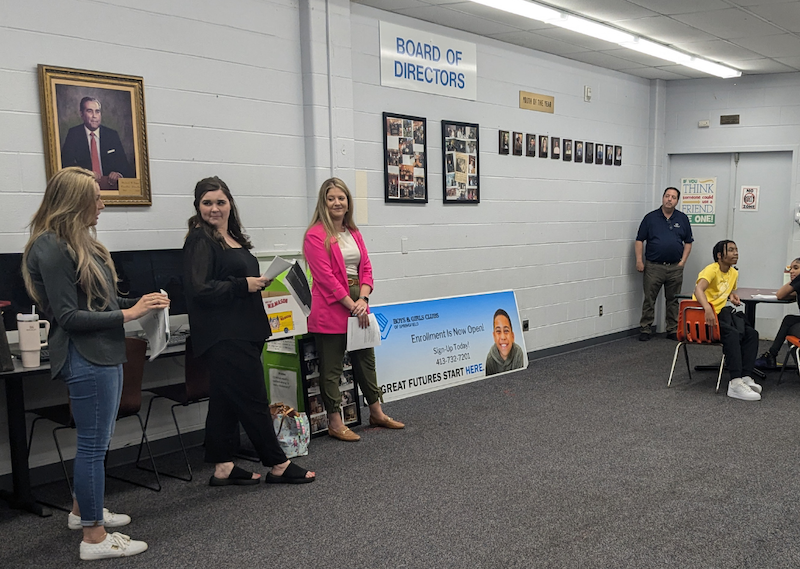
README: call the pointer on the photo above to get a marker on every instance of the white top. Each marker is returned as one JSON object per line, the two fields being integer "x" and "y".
{"x": 350, "y": 252}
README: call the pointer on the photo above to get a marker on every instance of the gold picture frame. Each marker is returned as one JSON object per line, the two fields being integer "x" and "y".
{"x": 77, "y": 103}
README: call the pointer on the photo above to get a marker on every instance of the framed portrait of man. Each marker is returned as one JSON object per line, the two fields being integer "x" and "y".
{"x": 96, "y": 121}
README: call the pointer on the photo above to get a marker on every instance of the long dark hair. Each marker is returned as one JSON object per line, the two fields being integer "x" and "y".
{"x": 234, "y": 226}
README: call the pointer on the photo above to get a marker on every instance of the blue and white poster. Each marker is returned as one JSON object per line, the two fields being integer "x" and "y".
{"x": 436, "y": 344}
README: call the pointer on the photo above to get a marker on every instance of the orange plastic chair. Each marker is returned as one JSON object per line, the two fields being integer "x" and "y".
{"x": 692, "y": 329}
{"x": 794, "y": 345}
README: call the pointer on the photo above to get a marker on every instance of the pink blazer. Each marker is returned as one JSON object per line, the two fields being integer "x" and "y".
{"x": 329, "y": 286}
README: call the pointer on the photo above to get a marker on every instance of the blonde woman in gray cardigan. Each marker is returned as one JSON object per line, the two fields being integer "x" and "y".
{"x": 72, "y": 278}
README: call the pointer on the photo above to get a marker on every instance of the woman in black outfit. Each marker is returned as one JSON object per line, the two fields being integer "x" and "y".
{"x": 229, "y": 327}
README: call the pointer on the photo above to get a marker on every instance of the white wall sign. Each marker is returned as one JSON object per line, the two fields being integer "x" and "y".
{"x": 420, "y": 61}
{"x": 749, "y": 198}
{"x": 699, "y": 200}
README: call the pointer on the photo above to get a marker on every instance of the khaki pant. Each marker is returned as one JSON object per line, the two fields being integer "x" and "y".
{"x": 330, "y": 351}
{"x": 655, "y": 276}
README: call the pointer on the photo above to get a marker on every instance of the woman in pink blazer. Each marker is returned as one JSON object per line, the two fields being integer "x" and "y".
{"x": 342, "y": 283}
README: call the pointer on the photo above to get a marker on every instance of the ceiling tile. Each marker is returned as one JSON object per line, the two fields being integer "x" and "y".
{"x": 728, "y": 24}
{"x": 783, "y": 45}
{"x": 665, "y": 30}
{"x": 681, "y": 6}
{"x": 391, "y": 5}
{"x": 568, "y": 36}
{"x": 762, "y": 66}
{"x": 793, "y": 62}
{"x": 722, "y": 51}
{"x": 458, "y": 20}
{"x": 785, "y": 15}
{"x": 538, "y": 42}
{"x": 655, "y": 73}
{"x": 755, "y": 2}
{"x": 603, "y": 60}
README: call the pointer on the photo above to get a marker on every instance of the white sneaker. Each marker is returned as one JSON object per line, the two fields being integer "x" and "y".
{"x": 114, "y": 545}
{"x": 739, "y": 390}
{"x": 748, "y": 381}
{"x": 110, "y": 520}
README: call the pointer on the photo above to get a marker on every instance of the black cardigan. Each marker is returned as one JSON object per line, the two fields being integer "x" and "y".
{"x": 220, "y": 308}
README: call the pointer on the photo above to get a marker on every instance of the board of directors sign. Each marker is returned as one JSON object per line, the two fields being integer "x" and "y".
{"x": 428, "y": 63}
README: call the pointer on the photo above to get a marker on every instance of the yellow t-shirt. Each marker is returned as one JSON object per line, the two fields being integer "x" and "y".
{"x": 720, "y": 285}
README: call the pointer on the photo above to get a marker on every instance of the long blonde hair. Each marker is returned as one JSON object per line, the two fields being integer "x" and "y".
{"x": 67, "y": 209}
{"x": 322, "y": 215}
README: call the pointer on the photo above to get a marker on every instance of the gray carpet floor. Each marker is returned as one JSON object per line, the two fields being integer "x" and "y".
{"x": 583, "y": 460}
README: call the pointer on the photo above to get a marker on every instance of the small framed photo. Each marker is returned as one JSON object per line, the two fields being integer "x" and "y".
{"x": 609, "y": 154}
{"x": 589, "y": 153}
{"x": 461, "y": 151}
{"x": 567, "y": 150}
{"x": 504, "y": 136}
{"x": 617, "y": 156}
{"x": 96, "y": 120}
{"x": 555, "y": 148}
{"x": 405, "y": 159}
{"x": 578, "y": 151}
{"x": 543, "y": 146}
{"x": 598, "y": 153}
{"x": 530, "y": 145}
{"x": 517, "y": 144}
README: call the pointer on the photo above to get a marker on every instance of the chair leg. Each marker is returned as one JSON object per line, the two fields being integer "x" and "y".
{"x": 61, "y": 458}
{"x": 688, "y": 367}
{"x": 674, "y": 359}
{"x": 721, "y": 367}
{"x": 180, "y": 440}
{"x": 30, "y": 436}
{"x": 783, "y": 367}
{"x": 157, "y": 487}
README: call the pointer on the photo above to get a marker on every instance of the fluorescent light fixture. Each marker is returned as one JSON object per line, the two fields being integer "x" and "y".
{"x": 657, "y": 50}
{"x": 600, "y": 31}
{"x": 713, "y": 68}
{"x": 522, "y": 8}
{"x": 593, "y": 29}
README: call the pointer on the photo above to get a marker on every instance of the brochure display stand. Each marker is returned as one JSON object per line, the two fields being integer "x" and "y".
{"x": 314, "y": 408}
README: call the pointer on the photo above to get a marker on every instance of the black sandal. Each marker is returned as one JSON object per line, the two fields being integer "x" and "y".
{"x": 292, "y": 475}
{"x": 237, "y": 477}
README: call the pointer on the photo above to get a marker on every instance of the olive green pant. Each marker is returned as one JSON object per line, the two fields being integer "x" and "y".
{"x": 330, "y": 351}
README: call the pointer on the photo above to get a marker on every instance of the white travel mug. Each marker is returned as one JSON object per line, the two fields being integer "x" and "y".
{"x": 30, "y": 340}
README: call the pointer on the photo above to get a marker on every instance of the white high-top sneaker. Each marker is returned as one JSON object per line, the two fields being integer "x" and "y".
{"x": 738, "y": 389}
{"x": 749, "y": 382}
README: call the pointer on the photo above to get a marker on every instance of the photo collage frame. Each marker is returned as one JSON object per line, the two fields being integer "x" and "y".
{"x": 405, "y": 159}
{"x": 461, "y": 145}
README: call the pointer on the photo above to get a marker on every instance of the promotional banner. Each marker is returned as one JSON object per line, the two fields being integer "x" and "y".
{"x": 420, "y": 61}
{"x": 436, "y": 344}
{"x": 699, "y": 200}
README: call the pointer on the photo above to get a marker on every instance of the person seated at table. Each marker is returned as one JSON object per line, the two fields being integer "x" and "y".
{"x": 716, "y": 284}
{"x": 791, "y": 322}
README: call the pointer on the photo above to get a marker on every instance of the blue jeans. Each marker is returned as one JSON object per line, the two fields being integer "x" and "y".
{"x": 94, "y": 392}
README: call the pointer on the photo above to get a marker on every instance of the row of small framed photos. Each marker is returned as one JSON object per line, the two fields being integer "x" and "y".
{"x": 560, "y": 149}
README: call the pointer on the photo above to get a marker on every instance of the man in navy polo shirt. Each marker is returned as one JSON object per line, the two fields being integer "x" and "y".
{"x": 669, "y": 242}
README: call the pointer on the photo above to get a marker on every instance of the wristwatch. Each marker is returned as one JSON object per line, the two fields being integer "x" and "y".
{"x": 365, "y": 299}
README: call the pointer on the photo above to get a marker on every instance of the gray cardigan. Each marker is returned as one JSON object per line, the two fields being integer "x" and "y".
{"x": 97, "y": 335}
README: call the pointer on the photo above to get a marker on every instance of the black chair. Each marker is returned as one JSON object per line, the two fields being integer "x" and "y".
{"x": 194, "y": 389}
{"x": 130, "y": 405}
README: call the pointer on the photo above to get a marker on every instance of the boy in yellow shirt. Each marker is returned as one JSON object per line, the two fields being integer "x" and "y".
{"x": 716, "y": 284}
